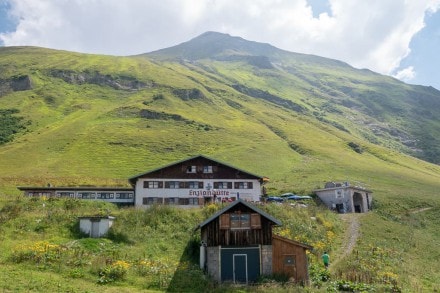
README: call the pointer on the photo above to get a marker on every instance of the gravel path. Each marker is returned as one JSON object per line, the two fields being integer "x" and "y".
{"x": 351, "y": 236}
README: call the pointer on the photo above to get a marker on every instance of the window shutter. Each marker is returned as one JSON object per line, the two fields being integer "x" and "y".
{"x": 255, "y": 221}
{"x": 229, "y": 185}
{"x": 214, "y": 168}
{"x": 250, "y": 185}
{"x": 160, "y": 184}
{"x": 200, "y": 184}
{"x": 184, "y": 168}
{"x": 199, "y": 169}
{"x": 216, "y": 185}
{"x": 145, "y": 184}
{"x": 167, "y": 184}
{"x": 236, "y": 185}
{"x": 225, "y": 221}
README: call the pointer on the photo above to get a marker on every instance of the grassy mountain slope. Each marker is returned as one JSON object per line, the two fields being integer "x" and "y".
{"x": 300, "y": 120}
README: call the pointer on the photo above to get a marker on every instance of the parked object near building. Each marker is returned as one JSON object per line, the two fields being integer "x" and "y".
{"x": 274, "y": 199}
{"x": 95, "y": 226}
{"x": 196, "y": 181}
{"x": 345, "y": 197}
{"x": 237, "y": 246}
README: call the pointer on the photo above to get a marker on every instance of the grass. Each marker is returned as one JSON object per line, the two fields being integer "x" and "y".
{"x": 159, "y": 250}
{"x": 91, "y": 134}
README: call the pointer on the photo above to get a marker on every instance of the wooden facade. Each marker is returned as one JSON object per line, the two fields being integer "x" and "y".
{"x": 237, "y": 243}
{"x": 289, "y": 258}
{"x": 251, "y": 228}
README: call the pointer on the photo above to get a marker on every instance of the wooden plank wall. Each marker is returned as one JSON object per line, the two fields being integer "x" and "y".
{"x": 282, "y": 249}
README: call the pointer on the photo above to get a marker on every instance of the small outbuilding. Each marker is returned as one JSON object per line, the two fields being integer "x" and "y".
{"x": 289, "y": 258}
{"x": 345, "y": 197}
{"x": 237, "y": 246}
{"x": 95, "y": 226}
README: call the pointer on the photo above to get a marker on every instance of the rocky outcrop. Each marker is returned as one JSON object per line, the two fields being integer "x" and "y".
{"x": 119, "y": 82}
{"x": 15, "y": 84}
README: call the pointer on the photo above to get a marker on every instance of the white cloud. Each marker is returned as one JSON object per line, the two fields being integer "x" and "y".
{"x": 406, "y": 74}
{"x": 374, "y": 34}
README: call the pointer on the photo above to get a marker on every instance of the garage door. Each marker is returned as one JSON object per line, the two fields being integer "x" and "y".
{"x": 240, "y": 264}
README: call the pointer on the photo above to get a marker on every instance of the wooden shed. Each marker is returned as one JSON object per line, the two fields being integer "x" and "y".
{"x": 289, "y": 258}
{"x": 237, "y": 243}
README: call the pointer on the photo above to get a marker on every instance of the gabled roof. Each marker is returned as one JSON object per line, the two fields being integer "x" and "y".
{"x": 303, "y": 245}
{"x": 233, "y": 204}
{"x": 133, "y": 179}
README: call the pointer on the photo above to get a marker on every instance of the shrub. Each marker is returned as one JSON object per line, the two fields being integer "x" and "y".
{"x": 39, "y": 252}
{"x": 117, "y": 271}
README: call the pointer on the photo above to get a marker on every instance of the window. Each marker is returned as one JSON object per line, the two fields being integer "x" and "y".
{"x": 124, "y": 195}
{"x": 191, "y": 184}
{"x": 86, "y": 195}
{"x": 207, "y": 169}
{"x": 172, "y": 184}
{"x": 193, "y": 201}
{"x": 105, "y": 195}
{"x": 153, "y": 184}
{"x": 151, "y": 200}
{"x": 65, "y": 194}
{"x": 222, "y": 185}
{"x": 188, "y": 201}
{"x": 240, "y": 221}
{"x": 194, "y": 184}
{"x": 243, "y": 185}
{"x": 191, "y": 169}
{"x": 170, "y": 200}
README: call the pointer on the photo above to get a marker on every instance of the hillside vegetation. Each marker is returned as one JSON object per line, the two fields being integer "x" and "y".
{"x": 302, "y": 120}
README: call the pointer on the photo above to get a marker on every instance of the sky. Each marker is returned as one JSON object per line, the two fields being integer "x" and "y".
{"x": 400, "y": 38}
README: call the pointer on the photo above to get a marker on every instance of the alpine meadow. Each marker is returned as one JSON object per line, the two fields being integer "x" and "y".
{"x": 72, "y": 119}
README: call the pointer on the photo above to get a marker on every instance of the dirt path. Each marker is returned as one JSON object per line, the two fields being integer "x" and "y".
{"x": 350, "y": 238}
{"x": 421, "y": 210}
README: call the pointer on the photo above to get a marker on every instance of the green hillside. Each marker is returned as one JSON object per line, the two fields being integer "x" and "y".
{"x": 76, "y": 119}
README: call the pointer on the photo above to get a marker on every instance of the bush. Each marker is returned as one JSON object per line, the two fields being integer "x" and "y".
{"x": 117, "y": 271}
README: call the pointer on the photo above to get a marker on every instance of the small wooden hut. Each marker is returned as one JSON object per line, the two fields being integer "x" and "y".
{"x": 289, "y": 258}
{"x": 237, "y": 243}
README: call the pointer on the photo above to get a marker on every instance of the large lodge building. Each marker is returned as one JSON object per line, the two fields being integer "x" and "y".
{"x": 190, "y": 182}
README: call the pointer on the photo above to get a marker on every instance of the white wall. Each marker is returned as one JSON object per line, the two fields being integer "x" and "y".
{"x": 85, "y": 225}
{"x": 246, "y": 194}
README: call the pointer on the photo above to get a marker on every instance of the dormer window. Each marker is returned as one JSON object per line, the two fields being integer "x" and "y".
{"x": 207, "y": 169}
{"x": 191, "y": 169}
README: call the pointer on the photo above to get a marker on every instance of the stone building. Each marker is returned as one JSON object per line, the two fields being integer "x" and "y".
{"x": 345, "y": 197}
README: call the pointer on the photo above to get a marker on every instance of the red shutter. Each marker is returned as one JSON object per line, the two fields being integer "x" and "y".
{"x": 225, "y": 221}
{"x": 255, "y": 221}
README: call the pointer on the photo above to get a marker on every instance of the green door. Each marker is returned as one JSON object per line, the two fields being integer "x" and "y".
{"x": 240, "y": 264}
{"x": 240, "y": 268}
